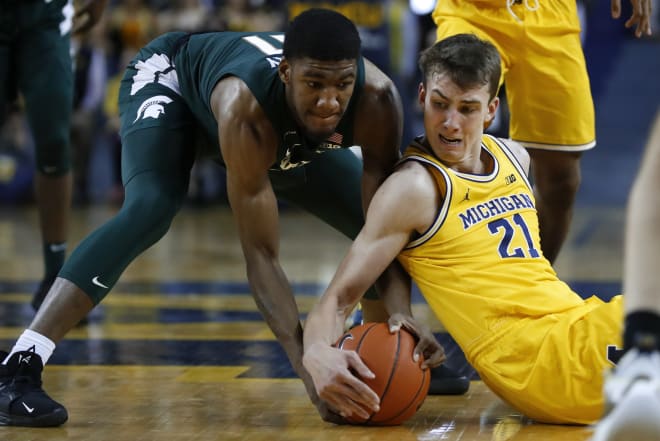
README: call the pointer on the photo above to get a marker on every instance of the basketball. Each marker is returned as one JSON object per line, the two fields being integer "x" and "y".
{"x": 400, "y": 383}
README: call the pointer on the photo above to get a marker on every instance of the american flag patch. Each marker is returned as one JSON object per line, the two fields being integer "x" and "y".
{"x": 336, "y": 138}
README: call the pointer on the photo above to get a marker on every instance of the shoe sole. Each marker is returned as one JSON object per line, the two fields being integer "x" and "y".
{"x": 636, "y": 417}
{"x": 52, "y": 419}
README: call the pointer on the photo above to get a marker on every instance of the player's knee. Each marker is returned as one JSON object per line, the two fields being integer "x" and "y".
{"x": 151, "y": 214}
{"x": 52, "y": 157}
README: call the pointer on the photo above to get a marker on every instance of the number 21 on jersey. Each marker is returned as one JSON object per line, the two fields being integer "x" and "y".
{"x": 510, "y": 228}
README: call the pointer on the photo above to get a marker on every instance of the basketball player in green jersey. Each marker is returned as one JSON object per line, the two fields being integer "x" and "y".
{"x": 459, "y": 214}
{"x": 35, "y": 60}
{"x": 279, "y": 114}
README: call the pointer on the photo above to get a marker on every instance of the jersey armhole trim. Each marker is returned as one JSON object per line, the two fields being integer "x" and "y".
{"x": 509, "y": 154}
{"x": 444, "y": 207}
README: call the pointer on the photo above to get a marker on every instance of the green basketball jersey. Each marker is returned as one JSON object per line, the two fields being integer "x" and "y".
{"x": 201, "y": 60}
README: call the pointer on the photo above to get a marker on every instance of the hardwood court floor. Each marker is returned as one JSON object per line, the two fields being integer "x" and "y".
{"x": 178, "y": 350}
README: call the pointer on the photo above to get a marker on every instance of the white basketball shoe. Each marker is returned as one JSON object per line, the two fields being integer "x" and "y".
{"x": 632, "y": 399}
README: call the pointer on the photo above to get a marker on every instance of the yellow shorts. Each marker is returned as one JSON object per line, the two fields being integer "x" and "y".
{"x": 543, "y": 66}
{"x": 551, "y": 368}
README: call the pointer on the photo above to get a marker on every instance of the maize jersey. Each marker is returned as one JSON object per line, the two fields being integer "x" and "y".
{"x": 533, "y": 340}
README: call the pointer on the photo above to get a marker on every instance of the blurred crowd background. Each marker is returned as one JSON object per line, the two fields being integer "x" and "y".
{"x": 393, "y": 32}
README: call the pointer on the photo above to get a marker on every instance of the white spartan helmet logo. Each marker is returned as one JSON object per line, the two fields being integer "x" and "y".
{"x": 152, "y": 107}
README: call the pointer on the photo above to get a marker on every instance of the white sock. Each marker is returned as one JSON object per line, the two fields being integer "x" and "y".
{"x": 43, "y": 346}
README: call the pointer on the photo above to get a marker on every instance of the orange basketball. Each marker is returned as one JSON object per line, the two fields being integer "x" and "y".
{"x": 400, "y": 383}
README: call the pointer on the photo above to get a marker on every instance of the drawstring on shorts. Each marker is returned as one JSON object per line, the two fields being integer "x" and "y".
{"x": 530, "y": 5}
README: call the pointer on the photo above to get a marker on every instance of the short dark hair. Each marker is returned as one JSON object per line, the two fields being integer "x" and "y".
{"x": 321, "y": 34}
{"x": 468, "y": 60}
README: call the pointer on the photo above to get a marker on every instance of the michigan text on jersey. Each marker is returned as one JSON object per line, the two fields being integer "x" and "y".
{"x": 494, "y": 207}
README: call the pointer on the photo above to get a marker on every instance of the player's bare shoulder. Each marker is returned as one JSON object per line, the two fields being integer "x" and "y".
{"x": 232, "y": 98}
{"x": 378, "y": 118}
{"x": 380, "y": 96}
{"x": 242, "y": 123}
{"x": 519, "y": 152}
{"x": 417, "y": 178}
{"x": 418, "y": 193}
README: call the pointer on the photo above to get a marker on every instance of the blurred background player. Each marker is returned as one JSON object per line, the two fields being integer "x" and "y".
{"x": 36, "y": 61}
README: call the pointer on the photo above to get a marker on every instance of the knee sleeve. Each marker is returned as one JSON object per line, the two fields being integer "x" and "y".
{"x": 147, "y": 213}
{"x": 51, "y": 132}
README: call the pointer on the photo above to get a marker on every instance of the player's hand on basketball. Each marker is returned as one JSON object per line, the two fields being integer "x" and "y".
{"x": 332, "y": 372}
{"x": 427, "y": 347}
{"x": 641, "y": 15}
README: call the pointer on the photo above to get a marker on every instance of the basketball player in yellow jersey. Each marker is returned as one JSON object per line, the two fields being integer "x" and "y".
{"x": 547, "y": 88}
{"x": 459, "y": 213}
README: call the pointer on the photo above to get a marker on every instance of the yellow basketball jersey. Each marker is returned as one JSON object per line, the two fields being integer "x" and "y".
{"x": 480, "y": 268}
{"x": 487, "y": 224}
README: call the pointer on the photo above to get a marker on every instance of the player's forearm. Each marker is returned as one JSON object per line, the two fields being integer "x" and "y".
{"x": 394, "y": 289}
{"x": 325, "y": 322}
{"x": 273, "y": 295}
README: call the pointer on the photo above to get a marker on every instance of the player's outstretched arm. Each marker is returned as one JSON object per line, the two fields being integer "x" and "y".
{"x": 396, "y": 210}
{"x": 249, "y": 144}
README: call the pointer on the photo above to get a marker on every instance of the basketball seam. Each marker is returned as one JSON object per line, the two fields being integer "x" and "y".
{"x": 357, "y": 349}
{"x": 410, "y": 403}
{"x": 392, "y": 372}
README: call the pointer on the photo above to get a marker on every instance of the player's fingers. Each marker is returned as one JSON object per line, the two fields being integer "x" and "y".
{"x": 644, "y": 25}
{"x": 395, "y": 322}
{"x": 359, "y": 411}
{"x": 640, "y": 17}
{"x": 345, "y": 407}
{"x": 615, "y": 8}
{"x": 429, "y": 351}
{"x": 641, "y": 25}
{"x": 363, "y": 395}
{"x": 355, "y": 389}
{"x": 356, "y": 363}
{"x": 434, "y": 359}
{"x": 350, "y": 399}
{"x": 395, "y": 328}
{"x": 408, "y": 323}
{"x": 365, "y": 413}
{"x": 634, "y": 16}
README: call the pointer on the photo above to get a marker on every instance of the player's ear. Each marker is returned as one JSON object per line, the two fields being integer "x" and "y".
{"x": 421, "y": 94}
{"x": 492, "y": 109}
{"x": 284, "y": 71}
